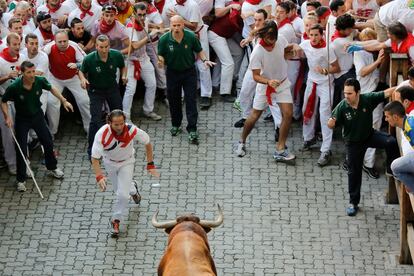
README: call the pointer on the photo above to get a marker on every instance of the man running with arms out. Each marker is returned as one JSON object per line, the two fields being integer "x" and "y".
{"x": 114, "y": 143}
{"x": 272, "y": 86}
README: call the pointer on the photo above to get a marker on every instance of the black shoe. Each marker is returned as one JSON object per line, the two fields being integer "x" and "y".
{"x": 277, "y": 135}
{"x": 205, "y": 103}
{"x": 227, "y": 98}
{"x": 352, "y": 210}
{"x": 240, "y": 123}
{"x": 308, "y": 144}
{"x": 268, "y": 118}
{"x": 345, "y": 165}
{"x": 372, "y": 172}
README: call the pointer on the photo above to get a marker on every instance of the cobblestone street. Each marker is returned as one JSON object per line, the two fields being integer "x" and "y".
{"x": 278, "y": 219}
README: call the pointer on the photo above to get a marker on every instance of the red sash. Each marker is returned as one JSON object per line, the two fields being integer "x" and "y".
{"x": 310, "y": 106}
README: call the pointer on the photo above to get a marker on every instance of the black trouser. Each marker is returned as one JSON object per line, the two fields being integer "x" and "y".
{"x": 176, "y": 82}
{"x": 339, "y": 86}
{"x": 356, "y": 151}
{"x": 97, "y": 99}
{"x": 22, "y": 127}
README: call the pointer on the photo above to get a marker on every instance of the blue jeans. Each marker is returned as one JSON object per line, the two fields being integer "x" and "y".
{"x": 403, "y": 170}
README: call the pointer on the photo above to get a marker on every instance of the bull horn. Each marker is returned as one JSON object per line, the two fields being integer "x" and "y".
{"x": 163, "y": 224}
{"x": 213, "y": 223}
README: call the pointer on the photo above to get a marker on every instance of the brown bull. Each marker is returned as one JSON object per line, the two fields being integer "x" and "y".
{"x": 188, "y": 252}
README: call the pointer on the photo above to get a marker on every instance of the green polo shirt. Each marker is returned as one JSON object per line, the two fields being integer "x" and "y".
{"x": 357, "y": 123}
{"x": 102, "y": 75}
{"x": 179, "y": 56}
{"x": 26, "y": 102}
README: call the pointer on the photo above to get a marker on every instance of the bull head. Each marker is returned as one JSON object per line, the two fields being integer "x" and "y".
{"x": 204, "y": 223}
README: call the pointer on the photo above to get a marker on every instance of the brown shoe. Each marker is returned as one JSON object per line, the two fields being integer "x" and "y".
{"x": 115, "y": 228}
{"x": 137, "y": 197}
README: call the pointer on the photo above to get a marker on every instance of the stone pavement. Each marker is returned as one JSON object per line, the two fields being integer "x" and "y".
{"x": 279, "y": 219}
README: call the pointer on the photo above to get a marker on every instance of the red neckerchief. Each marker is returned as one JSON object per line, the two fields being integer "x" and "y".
{"x": 266, "y": 45}
{"x": 293, "y": 17}
{"x": 180, "y": 2}
{"x": 410, "y": 108}
{"x": 151, "y": 9}
{"x": 104, "y": 27}
{"x": 283, "y": 23}
{"x": 124, "y": 137}
{"x": 46, "y": 35}
{"x": 125, "y": 11}
{"x": 159, "y": 5}
{"x": 85, "y": 12}
{"x": 305, "y": 36}
{"x": 404, "y": 46}
{"x": 254, "y": 2}
{"x": 325, "y": 14}
{"x": 310, "y": 106}
{"x": 137, "y": 26}
{"x": 53, "y": 10}
{"x": 321, "y": 44}
{"x": 6, "y": 55}
{"x": 336, "y": 35}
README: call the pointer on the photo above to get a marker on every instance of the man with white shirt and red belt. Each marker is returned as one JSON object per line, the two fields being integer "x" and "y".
{"x": 140, "y": 66}
{"x": 114, "y": 144}
{"x": 10, "y": 61}
{"x": 319, "y": 88}
{"x": 273, "y": 87}
{"x": 190, "y": 11}
{"x": 88, "y": 12}
{"x": 65, "y": 57}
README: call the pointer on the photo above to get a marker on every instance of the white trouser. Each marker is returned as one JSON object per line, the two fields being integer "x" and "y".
{"x": 293, "y": 73}
{"x": 159, "y": 71}
{"x": 322, "y": 96}
{"x": 120, "y": 175}
{"x": 7, "y": 138}
{"x": 80, "y": 95}
{"x": 246, "y": 95}
{"x": 219, "y": 44}
{"x": 369, "y": 158}
{"x": 148, "y": 76}
{"x": 204, "y": 71}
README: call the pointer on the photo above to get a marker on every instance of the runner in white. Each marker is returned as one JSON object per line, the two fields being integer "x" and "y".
{"x": 319, "y": 88}
{"x": 114, "y": 144}
{"x": 273, "y": 87}
{"x": 88, "y": 12}
{"x": 140, "y": 66}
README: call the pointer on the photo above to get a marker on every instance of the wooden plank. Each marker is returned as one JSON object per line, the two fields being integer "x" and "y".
{"x": 393, "y": 193}
{"x": 405, "y": 257}
{"x": 410, "y": 238}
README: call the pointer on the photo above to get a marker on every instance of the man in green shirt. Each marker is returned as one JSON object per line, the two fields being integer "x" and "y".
{"x": 176, "y": 50}
{"x": 98, "y": 76}
{"x": 25, "y": 92}
{"x": 354, "y": 113}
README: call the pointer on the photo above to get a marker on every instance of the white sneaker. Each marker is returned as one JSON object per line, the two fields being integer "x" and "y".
{"x": 12, "y": 170}
{"x": 21, "y": 186}
{"x": 241, "y": 149}
{"x": 56, "y": 173}
{"x": 284, "y": 156}
{"x": 152, "y": 115}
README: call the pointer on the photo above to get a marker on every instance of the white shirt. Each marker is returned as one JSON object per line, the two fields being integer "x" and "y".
{"x": 205, "y": 6}
{"x": 288, "y": 32}
{"x": 299, "y": 28}
{"x": 265, "y": 61}
{"x": 7, "y": 67}
{"x": 190, "y": 12}
{"x": 345, "y": 59}
{"x": 303, "y": 10}
{"x": 28, "y": 28}
{"x": 64, "y": 10}
{"x": 317, "y": 57}
{"x": 41, "y": 61}
{"x": 331, "y": 24}
{"x": 397, "y": 10}
{"x": 106, "y": 146}
{"x": 141, "y": 53}
{"x": 88, "y": 21}
{"x": 370, "y": 82}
